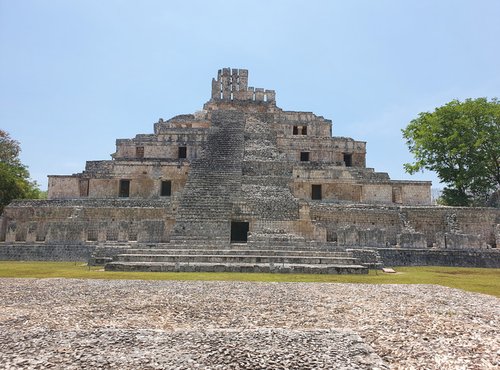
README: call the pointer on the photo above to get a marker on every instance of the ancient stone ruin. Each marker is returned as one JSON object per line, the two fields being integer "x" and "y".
{"x": 243, "y": 185}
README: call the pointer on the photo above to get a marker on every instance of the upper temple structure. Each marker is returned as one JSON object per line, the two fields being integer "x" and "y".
{"x": 291, "y": 154}
{"x": 240, "y": 176}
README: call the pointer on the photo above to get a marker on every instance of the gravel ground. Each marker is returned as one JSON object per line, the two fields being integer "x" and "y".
{"x": 73, "y": 324}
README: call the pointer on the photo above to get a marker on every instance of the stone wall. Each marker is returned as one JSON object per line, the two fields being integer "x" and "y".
{"x": 145, "y": 179}
{"x": 86, "y": 221}
{"x": 489, "y": 258}
{"x": 165, "y": 145}
{"x": 443, "y": 227}
{"x": 45, "y": 252}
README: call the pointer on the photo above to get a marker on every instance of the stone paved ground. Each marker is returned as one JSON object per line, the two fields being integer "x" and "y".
{"x": 72, "y": 324}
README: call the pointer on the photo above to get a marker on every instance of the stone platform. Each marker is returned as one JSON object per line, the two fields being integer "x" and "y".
{"x": 237, "y": 259}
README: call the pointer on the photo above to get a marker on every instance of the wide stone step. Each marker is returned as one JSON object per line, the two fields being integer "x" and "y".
{"x": 229, "y": 259}
{"x": 241, "y": 252}
{"x": 194, "y": 242}
{"x": 236, "y": 267}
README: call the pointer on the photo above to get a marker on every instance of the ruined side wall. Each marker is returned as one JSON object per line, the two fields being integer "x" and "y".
{"x": 80, "y": 222}
{"x": 416, "y": 227}
{"x": 434, "y": 221}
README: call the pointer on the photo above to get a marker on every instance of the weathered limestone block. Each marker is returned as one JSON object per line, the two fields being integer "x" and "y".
{"x": 372, "y": 237}
{"x": 353, "y": 236}
{"x": 459, "y": 241}
{"x": 412, "y": 240}
{"x": 348, "y": 236}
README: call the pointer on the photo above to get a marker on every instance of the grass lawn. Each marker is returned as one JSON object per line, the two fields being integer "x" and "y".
{"x": 478, "y": 280}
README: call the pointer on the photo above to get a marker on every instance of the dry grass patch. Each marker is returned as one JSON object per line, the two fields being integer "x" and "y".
{"x": 480, "y": 280}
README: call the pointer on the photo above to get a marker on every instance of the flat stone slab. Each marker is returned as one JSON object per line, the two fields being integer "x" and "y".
{"x": 236, "y": 267}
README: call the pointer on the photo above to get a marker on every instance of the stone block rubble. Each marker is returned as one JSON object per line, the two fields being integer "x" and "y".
{"x": 118, "y": 324}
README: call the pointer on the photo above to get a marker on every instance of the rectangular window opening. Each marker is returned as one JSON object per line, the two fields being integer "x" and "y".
{"x": 304, "y": 156}
{"x": 239, "y": 232}
{"x": 304, "y": 130}
{"x": 295, "y": 130}
{"x": 316, "y": 192}
{"x": 182, "y": 152}
{"x": 124, "y": 191}
{"x": 166, "y": 188}
{"x": 348, "y": 159}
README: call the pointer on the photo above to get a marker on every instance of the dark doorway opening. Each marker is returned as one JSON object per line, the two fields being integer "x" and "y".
{"x": 304, "y": 156}
{"x": 166, "y": 188}
{"x": 316, "y": 192}
{"x": 124, "y": 188}
{"x": 295, "y": 130}
{"x": 182, "y": 152}
{"x": 348, "y": 159}
{"x": 304, "y": 130}
{"x": 239, "y": 232}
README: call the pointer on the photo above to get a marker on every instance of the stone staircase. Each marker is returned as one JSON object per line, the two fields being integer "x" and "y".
{"x": 238, "y": 258}
{"x": 214, "y": 183}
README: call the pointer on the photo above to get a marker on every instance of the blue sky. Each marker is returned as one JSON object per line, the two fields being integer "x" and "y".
{"x": 76, "y": 75}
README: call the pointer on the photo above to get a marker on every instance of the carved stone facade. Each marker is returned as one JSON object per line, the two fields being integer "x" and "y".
{"x": 243, "y": 170}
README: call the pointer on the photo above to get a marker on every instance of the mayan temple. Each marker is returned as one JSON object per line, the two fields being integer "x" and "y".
{"x": 242, "y": 185}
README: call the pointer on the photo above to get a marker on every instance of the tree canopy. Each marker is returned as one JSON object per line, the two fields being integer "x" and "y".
{"x": 15, "y": 180}
{"x": 460, "y": 141}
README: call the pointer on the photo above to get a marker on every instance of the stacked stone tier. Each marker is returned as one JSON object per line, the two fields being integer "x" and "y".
{"x": 238, "y": 259}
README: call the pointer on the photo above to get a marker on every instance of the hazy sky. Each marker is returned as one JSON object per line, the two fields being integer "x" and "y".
{"x": 76, "y": 75}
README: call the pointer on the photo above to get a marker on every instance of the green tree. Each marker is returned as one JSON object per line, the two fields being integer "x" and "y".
{"x": 460, "y": 141}
{"x": 14, "y": 176}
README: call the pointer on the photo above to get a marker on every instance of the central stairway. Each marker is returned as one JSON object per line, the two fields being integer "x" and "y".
{"x": 237, "y": 259}
{"x": 213, "y": 185}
